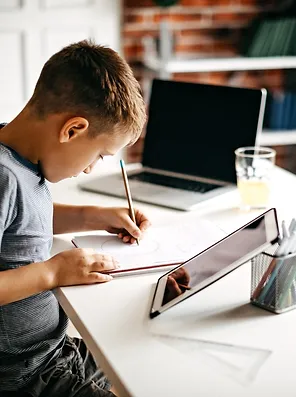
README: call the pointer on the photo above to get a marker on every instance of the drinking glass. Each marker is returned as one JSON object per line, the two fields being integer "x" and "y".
{"x": 254, "y": 167}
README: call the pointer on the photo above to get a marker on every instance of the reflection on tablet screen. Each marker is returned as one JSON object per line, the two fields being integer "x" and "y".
{"x": 216, "y": 261}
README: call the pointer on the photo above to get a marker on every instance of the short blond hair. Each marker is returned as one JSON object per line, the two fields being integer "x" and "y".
{"x": 92, "y": 81}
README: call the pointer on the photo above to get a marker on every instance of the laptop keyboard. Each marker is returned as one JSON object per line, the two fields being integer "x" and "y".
{"x": 178, "y": 183}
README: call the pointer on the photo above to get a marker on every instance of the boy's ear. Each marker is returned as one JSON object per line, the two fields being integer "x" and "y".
{"x": 73, "y": 128}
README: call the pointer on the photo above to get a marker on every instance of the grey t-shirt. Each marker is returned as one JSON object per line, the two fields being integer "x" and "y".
{"x": 32, "y": 330}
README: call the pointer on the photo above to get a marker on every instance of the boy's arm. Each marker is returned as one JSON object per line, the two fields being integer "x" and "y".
{"x": 72, "y": 267}
{"x": 82, "y": 218}
{"x": 70, "y": 218}
{"x": 16, "y": 284}
{"x": 115, "y": 220}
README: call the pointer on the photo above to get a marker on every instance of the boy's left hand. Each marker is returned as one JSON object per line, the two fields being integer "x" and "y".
{"x": 117, "y": 220}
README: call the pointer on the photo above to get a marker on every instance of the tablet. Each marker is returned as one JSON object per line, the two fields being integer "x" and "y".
{"x": 215, "y": 262}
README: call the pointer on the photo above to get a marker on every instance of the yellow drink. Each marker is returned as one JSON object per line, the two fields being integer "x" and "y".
{"x": 254, "y": 193}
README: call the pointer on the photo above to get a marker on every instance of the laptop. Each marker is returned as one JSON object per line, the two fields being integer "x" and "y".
{"x": 192, "y": 132}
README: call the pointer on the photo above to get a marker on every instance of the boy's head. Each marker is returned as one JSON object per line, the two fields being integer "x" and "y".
{"x": 94, "y": 104}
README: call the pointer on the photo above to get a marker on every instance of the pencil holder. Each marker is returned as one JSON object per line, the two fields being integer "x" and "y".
{"x": 273, "y": 281}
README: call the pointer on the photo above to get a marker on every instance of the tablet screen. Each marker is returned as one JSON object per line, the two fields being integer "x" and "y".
{"x": 215, "y": 262}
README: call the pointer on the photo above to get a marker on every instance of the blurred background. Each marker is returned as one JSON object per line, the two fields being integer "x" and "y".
{"x": 248, "y": 43}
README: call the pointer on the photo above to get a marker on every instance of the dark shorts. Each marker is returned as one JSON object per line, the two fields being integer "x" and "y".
{"x": 73, "y": 373}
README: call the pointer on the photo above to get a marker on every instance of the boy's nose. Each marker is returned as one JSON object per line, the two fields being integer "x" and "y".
{"x": 88, "y": 169}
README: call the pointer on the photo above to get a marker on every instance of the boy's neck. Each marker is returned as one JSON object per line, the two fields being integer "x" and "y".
{"x": 21, "y": 135}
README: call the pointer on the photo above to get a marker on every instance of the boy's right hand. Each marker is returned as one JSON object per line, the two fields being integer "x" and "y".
{"x": 79, "y": 266}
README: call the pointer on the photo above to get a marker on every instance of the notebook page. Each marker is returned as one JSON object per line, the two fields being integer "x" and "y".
{"x": 172, "y": 243}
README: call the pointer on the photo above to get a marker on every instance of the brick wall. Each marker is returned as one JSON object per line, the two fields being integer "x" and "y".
{"x": 201, "y": 28}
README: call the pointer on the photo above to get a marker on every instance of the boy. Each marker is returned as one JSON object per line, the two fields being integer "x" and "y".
{"x": 86, "y": 105}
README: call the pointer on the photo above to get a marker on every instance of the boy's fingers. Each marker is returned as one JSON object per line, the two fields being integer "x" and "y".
{"x": 103, "y": 263}
{"x": 96, "y": 277}
{"x": 142, "y": 220}
{"x": 145, "y": 225}
{"x": 126, "y": 239}
{"x": 131, "y": 228}
{"x": 102, "y": 257}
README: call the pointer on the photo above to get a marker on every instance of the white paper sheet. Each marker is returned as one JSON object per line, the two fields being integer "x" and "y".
{"x": 172, "y": 243}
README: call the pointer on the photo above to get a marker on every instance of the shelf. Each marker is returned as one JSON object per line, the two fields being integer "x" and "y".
{"x": 278, "y": 138}
{"x": 220, "y": 64}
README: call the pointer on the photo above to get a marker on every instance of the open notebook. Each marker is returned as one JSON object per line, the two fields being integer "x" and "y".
{"x": 161, "y": 249}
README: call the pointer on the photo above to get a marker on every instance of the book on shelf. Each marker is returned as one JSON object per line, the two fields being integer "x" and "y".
{"x": 281, "y": 112}
{"x": 273, "y": 36}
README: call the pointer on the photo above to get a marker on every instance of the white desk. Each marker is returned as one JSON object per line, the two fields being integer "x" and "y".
{"x": 113, "y": 318}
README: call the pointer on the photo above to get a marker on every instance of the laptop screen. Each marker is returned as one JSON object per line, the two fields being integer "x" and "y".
{"x": 195, "y": 128}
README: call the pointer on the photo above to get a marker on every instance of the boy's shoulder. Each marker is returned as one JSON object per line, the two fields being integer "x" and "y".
{"x": 8, "y": 173}
{"x": 8, "y": 188}
{"x": 7, "y": 164}
{"x": 17, "y": 165}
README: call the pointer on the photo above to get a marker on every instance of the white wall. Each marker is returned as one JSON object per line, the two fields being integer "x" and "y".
{"x": 32, "y": 30}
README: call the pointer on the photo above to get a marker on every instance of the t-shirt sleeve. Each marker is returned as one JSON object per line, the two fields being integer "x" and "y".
{"x": 8, "y": 190}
